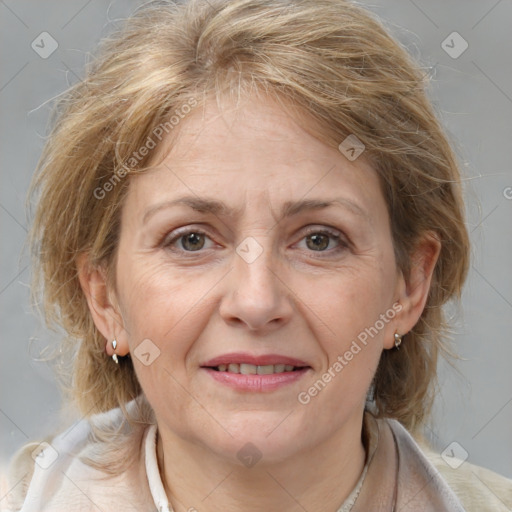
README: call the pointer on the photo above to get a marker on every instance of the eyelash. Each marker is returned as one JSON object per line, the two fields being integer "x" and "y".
{"x": 342, "y": 244}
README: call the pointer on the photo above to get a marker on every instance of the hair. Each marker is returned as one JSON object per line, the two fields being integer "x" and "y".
{"x": 329, "y": 60}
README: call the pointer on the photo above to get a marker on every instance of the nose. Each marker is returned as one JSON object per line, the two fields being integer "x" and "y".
{"x": 258, "y": 295}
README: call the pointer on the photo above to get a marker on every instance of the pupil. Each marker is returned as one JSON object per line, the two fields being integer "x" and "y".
{"x": 317, "y": 241}
{"x": 192, "y": 238}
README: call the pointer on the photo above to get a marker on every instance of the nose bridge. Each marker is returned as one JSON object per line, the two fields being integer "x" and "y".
{"x": 257, "y": 296}
{"x": 256, "y": 267}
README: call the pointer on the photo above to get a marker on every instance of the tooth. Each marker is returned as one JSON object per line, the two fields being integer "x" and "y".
{"x": 248, "y": 369}
{"x": 266, "y": 370}
{"x": 234, "y": 368}
{"x": 251, "y": 369}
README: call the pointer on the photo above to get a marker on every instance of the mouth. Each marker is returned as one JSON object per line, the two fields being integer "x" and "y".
{"x": 252, "y": 369}
{"x": 246, "y": 372}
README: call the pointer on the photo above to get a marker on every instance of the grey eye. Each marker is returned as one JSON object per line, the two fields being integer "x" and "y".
{"x": 192, "y": 241}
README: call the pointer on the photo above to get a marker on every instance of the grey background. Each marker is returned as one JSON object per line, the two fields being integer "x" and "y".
{"x": 473, "y": 95}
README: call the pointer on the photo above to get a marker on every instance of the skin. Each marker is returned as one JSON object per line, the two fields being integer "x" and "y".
{"x": 293, "y": 300}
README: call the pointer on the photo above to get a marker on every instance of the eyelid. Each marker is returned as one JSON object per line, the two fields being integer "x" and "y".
{"x": 322, "y": 229}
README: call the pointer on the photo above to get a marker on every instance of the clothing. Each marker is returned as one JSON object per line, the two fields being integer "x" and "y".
{"x": 399, "y": 475}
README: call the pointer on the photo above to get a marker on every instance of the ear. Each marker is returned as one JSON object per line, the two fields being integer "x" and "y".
{"x": 413, "y": 289}
{"x": 102, "y": 305}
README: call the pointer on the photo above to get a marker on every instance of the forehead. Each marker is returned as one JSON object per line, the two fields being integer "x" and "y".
{"x": 252, "y": 152}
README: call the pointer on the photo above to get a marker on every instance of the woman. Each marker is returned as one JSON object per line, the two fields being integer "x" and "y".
{"x": 248, "y": 221}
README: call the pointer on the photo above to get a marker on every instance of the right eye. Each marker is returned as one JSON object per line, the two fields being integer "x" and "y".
{"x": 189, "y": 240}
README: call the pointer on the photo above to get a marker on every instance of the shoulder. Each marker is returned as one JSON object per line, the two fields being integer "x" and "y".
{"x": 477, "y": 488}
{"x": 81, "y": 469}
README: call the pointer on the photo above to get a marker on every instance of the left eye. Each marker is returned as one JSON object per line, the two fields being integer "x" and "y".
{"x": 318, "y": 241}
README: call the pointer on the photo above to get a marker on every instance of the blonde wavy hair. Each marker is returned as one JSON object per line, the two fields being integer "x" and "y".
{"x": 329, "y": 60}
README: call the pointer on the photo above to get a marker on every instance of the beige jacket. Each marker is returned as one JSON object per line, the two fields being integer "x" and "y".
{"x": 400, "y": 476}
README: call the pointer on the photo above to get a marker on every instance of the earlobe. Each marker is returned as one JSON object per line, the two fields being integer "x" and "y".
{"x": 105, "y": 314}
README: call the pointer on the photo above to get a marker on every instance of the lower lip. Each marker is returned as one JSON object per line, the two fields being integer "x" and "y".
{"x": 258, "y": 383}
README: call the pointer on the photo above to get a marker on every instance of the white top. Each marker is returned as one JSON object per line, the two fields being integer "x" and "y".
{"x": 58, "y": 473}
{"x": 53, "y": 476}
{"x": 155, "y": 482}
{"x": 157, "y": 488}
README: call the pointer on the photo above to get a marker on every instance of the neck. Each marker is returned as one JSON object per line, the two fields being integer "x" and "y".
{"x": 318, "y": 479}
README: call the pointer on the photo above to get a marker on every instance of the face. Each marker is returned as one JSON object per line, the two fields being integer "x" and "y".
{"x": 254, "y": 268}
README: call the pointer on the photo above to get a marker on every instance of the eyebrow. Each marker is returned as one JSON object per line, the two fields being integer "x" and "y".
{"x": 289, "y": 209}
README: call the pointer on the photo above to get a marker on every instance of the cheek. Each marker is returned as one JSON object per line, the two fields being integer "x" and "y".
{"x": 353, "y": 314}
{"x": 349, "y": 304}
{"x": 351, "y": 353}
{"x": 164, "y": 304}
{"x": 166, "y": 307}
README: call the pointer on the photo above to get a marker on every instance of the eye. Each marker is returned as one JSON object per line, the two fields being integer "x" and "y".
{"x": 319, "y": 240}
{"x": 190, "y": 240}
{"x": 193, "y": 240}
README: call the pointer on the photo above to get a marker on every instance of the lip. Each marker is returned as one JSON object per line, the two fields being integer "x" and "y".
{"x": 256, "y": 383}
{"x": 262, "y": 360}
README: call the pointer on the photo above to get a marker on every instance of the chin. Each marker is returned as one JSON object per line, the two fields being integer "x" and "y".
{"x": 269, "y": 437}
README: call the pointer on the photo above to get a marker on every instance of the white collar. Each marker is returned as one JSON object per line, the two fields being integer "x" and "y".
{"x": 157, "y": 488}
{"x": 155, "y": 482}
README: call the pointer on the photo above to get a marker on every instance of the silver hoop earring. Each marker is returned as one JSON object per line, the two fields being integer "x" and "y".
{"x": 398, "y": 340}
{"x": 114, "y": 356}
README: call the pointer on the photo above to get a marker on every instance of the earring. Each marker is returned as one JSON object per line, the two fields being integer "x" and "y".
{"x": 114, "y": 356}
{"x": 398, "y": 340}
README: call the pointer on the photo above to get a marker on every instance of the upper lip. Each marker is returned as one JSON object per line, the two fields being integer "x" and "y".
{"x": 262, "y": 360}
